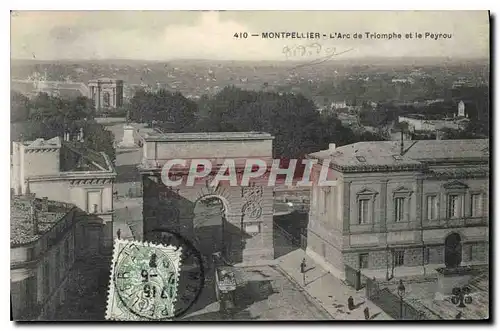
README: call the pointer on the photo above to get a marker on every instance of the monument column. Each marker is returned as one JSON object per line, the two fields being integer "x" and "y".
{"x": 114, "y": 98}
{"x": 98, "y": 97}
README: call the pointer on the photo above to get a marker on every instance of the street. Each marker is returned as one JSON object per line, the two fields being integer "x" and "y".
{"x": 263, "y": 293}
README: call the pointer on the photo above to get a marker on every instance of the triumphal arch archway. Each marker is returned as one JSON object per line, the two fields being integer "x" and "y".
{"x": 245, "y": 230}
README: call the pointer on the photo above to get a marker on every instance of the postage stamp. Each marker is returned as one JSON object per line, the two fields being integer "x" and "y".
{"x": 143, "y": 281}
{"x": 191, "y": 272}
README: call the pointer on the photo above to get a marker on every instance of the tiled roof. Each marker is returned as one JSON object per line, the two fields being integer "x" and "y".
{"x": 388, "y": 153}
{"x": 21, "y": 226}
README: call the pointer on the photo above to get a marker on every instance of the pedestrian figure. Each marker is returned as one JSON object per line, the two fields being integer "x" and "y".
{"x": 350, "y": 303}
{"x": 367, "y": 313}
{"x": 119, "y": 233}
{"x": 303, "y": 267}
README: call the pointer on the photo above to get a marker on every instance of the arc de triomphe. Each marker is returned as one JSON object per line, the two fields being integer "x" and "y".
{"x": 248, "y": 211}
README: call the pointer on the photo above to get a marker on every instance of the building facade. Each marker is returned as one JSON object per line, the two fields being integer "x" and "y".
{"x": 106, "y": 93}
{"x": 44, "y": 235}
{"x": 401, "y": 207}
{"x": 66, "y": 171}
{"x": 245, "y": 233}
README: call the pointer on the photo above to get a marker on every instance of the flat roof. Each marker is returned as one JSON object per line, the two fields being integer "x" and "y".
{"x": 208, "y": 136}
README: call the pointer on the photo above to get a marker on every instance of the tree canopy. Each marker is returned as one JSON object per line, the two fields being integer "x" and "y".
{"x": 165, "y": 108}
{"x": 47, "y": 116}
{"x": 291, "y": 118}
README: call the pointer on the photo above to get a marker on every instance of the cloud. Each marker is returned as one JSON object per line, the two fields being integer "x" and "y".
{"x": 163, "y": 35}
{"x": 211, "y": 37}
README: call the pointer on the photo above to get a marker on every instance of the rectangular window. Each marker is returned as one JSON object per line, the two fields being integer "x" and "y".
{"x": 476, "y": 205}
{"x": 94, "y": 202}
{"x": 470, "y": 251}
{"x": 46, "y": 279}
{"x": 325, "y": 201}
{"x": 363, "y": 260}
{"x": 455, "y": 206}
{"x": 475, "y": 252}
{"x": 399, "y": 209}
{"x": 399, "y": 258}
{"x": 66, "y": 253}
{"x": 363, "y": 211}
{"x": 58, "y": 265}
{"x": 432, "y": 207}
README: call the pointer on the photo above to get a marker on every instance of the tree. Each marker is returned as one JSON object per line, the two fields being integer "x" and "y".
{"x": 52, "y": 117}
{"x": 19, "y": 107}
{"x": 172, "y": 111}
{"x": 291, "y": 118}
{"x": 99, "y": 139}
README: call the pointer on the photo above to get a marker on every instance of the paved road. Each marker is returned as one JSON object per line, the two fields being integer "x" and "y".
{"x": 263, "y": 293}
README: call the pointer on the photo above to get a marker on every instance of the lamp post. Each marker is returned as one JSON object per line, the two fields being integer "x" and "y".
{"x": 303, "y": 267}
{"x": 392, "y": 262}
{"x": 401, "y": 294}
{"x": 387, "y": 263}
{"x": 461, "y": 296}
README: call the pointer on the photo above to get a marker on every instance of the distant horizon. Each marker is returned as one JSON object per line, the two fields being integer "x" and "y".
{"x": 357, "y": 59}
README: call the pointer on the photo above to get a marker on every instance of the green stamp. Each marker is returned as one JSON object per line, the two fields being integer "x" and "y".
{"x": 143, "y": 284}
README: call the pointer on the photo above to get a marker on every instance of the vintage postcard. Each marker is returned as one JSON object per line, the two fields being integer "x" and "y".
{"x": 250, "y": 165}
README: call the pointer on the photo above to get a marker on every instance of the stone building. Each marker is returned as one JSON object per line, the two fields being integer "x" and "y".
{"x": 245, "y": 230}
{"x": 106, "y": 93}
{"x": 401, "y": 207}
{"x": 68, "y": 172}
{"x": 42, "y": 252}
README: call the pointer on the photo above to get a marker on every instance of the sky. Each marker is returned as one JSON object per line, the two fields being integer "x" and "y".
{"x": 167, "y": 35}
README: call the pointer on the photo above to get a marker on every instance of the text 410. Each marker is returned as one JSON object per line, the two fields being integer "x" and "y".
{"x": 240, "y": 35}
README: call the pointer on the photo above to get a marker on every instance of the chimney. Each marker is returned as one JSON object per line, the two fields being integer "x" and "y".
{"x": 34, "y": 217}
{"x": 332, "y": 147}
{"x": 45, "y": 204}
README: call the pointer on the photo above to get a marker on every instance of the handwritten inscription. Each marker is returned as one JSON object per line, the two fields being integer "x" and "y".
{"x": 312, "y": 50}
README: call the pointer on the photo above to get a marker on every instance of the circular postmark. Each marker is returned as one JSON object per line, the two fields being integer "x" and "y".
{"x": 146, "y": 279}
{"x": 191, "y": 272}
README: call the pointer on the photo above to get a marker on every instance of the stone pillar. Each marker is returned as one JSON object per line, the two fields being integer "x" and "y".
{"x": 383, "y": 205}
{"x": 347, "y": 210}
{"x": 112, "y": 100}
{"x": 256, "y": 222}
{"x": 419, "y": 202}
{"x": 98, "y": 97}
{"x": 128, "y": 140}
